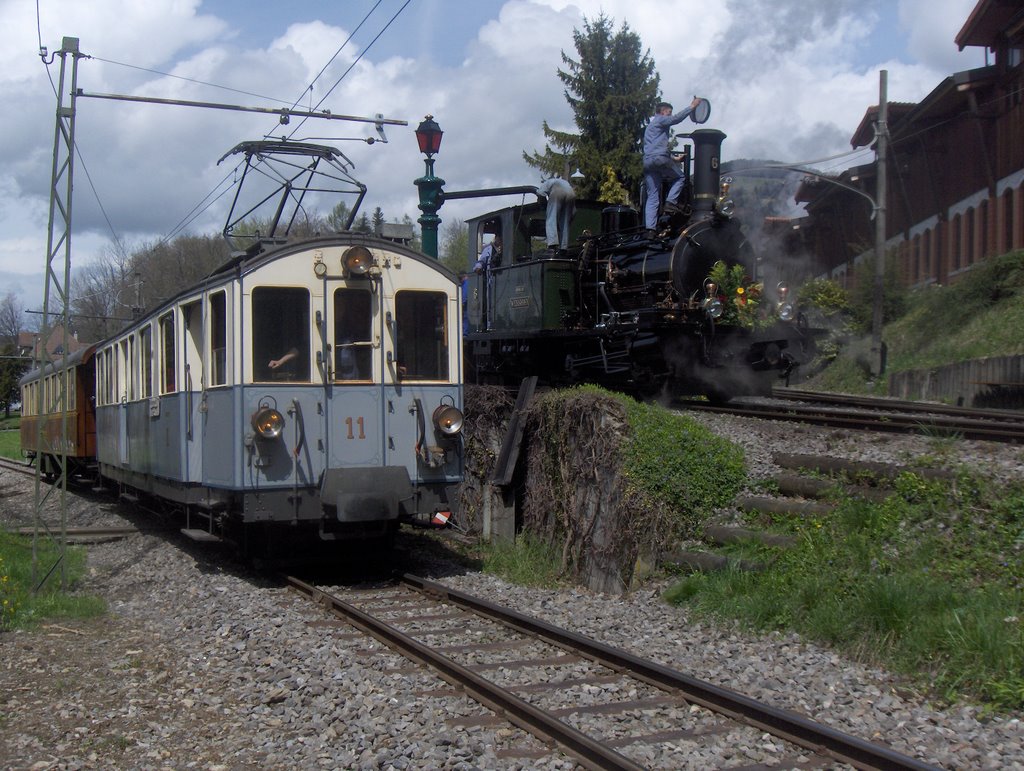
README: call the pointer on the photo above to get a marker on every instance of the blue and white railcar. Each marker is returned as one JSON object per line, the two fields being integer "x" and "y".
{"x": 314, "y": 389}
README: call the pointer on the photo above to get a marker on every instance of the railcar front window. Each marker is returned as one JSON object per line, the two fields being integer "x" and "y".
{"x": 280, "y": 334}
{"x": 422, "y": 344}
{"x": 353, "y": 347}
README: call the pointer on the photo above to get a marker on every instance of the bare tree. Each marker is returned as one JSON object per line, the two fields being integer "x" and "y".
{"x": 11, "y": 319}
{"x": 12, "y": 366}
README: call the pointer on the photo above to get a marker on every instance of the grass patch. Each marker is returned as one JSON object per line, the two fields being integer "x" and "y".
{"x": 19, "y": 606}
{"x": 10, "y": 444}
{"x": 980, "y": 315}
{"x": 530, "y": 561}
{"x": 928, "y": 583}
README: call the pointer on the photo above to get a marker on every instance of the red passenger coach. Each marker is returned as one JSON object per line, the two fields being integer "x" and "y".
{"x": 43, "y": 415}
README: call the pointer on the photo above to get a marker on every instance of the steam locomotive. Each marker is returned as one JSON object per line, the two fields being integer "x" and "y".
{"x": 679, "y": 310}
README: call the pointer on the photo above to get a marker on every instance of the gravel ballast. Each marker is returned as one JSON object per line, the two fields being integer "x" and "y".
{"x": 203, "y": 664}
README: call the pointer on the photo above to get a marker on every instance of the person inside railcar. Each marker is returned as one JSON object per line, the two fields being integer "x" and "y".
{"x": 278, "y": 363}
{"x": 352, "y": 336}
{"x": 280, "y": 323}
{"x": 659, "y": 166}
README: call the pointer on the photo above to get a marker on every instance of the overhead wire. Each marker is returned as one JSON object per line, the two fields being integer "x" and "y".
{"x": 200, "y": 208}
{"x": 190, "y": 80}
{"x": 212, "y": 196}
{"x": 354, "y": 62}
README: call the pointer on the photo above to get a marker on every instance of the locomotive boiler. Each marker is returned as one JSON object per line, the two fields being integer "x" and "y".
{"x": 678, "y": 309}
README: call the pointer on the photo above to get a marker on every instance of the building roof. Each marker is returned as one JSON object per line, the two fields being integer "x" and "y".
{"x": 989, "y": 20}
{"x": 946, "y": 99}
{"x": 865, "y": 133}
{"x": 54, "y": 343}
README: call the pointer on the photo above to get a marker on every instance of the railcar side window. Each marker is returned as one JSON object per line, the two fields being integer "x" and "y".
{"x": 146, "y": 360}
{"x": 167, "y": 382}
{"x": 122, "y": 372}
{"x": 353, "y": 349}
{"x": 422, "y": 345}
{"x": 218, "y": 340}
{"x": 132, "y": 363}
{"x": 111, "y": 382}
{"x": 280, "y": 334}
{"x": 195, "y": 372}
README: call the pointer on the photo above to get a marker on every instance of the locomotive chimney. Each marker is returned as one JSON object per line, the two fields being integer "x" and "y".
{"x": 707, "y": 171}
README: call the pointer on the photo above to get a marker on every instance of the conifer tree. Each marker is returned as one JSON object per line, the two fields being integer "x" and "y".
{"x": 612, "y": 89}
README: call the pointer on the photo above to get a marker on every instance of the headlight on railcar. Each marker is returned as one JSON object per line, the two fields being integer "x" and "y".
{"x": 448, "y": 420}
{"x": 725, "y": 207}
{"x": 268, "y": 422}
{"x": 786, "y": 312}
{"x": 357, "y": 261}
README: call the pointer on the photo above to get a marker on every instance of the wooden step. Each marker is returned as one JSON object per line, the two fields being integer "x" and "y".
{"x": 855, "y": 467}
{"x": 766, "y": 505}
{"x": 722, "y": 534}
{"x": 707, "y": 562}
{"x": 806, "y": 487}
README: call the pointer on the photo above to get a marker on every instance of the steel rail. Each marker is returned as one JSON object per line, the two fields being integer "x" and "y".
{"x": 591, "y": 753}
{"x": 898, "y": 405}
{"x": 784, "y": 724}
{"x": 982, "y": 430}
{"x": 96, "y": 532}
{"x": 17, "y": 467}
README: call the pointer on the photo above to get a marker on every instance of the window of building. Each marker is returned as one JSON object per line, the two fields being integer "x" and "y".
{"x": 1007, "y": 220}
{"x": 422, "y": 340}
{"x": 926, "y": 253}
{"x": 969, "y": 226}
{"x": 957, "y": 242}
{"x": 280, "y": 334}
{"x": 353, "y": 350}
{"x": 983, "y": 230}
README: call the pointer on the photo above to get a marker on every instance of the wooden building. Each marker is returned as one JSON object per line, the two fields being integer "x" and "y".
{"x": 955, "y": 174}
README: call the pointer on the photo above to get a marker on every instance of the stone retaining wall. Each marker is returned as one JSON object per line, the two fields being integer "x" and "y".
{"x": 996, "y": 381}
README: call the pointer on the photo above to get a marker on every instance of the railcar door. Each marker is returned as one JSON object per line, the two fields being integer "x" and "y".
{"x": 352, "y": 368}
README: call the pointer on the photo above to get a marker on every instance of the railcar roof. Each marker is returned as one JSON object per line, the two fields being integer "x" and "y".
{"x": 74, "y": 359}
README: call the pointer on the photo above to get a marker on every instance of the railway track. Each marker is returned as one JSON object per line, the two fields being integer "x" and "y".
{"x": 18, "y": 467}
{"x": 603, "y": 706}
{"x": 873, "y": 414}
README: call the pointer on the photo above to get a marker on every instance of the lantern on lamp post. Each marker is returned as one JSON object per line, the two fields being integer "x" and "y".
{"x": 428, "y": 135}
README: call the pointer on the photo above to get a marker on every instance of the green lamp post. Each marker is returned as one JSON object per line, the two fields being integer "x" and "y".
{"x": 428, "y": 135}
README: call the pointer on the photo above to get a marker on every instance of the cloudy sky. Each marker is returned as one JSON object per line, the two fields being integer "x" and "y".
{"x": 787, "y": 79}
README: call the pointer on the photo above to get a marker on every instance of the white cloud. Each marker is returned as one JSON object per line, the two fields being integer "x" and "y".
{"x": 933, "y": 26}
{"x": 786, "y": 80}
